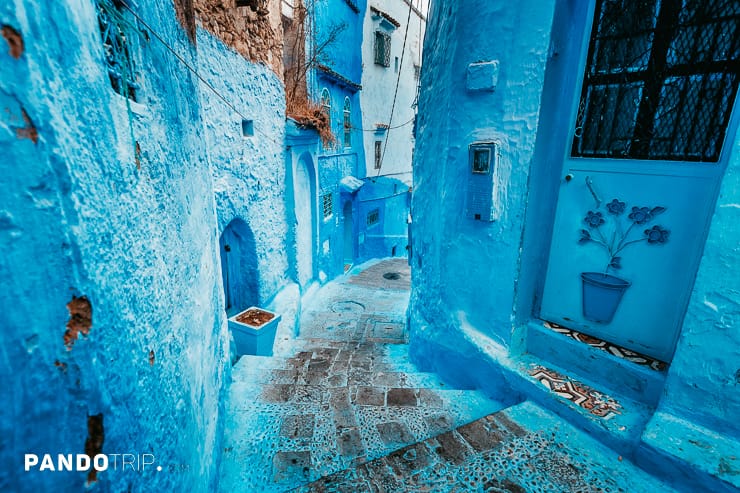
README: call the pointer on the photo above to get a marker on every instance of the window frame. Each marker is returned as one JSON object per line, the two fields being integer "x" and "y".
{"x": 639, "y": 128}
{"x": 121, "y": 47}
{"x": 382, "y": 42}
{"x": 372, "y": 218}
{"x": 327, "y": 205}
{"x": 325, "y": 101}
{"x": 347, "y": 112}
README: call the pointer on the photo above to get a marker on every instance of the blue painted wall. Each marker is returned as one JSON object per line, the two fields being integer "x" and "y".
{"x": 344, "y": 57}
{"x": 460, "y": 264}
{"x": 476, "y": 284}
{"x": 249, "y": 173}
{"x": 81, "y": 218}
{"x": 389, "y": 236}
{"x": 706, "y": 368}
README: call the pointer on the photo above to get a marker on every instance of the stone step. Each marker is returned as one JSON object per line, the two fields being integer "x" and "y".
{"x": 331, "y": 406}
{"x": 618, "y": 370}
{"x": 336, "y": 365}
{"x": 523, "y": 448}
{"x": 616, "y": 420}
{"x": 291, "y": 435}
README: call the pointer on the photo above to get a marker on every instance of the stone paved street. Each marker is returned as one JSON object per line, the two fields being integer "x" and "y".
{"x": 522, "y": 449}
{"x": 345, "y": 396}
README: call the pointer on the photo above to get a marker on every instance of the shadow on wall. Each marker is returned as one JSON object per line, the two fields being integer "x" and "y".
{"x": 239, "y": 269}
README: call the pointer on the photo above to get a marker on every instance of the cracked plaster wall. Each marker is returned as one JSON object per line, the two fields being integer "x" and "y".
{"x": 83, "y": 214}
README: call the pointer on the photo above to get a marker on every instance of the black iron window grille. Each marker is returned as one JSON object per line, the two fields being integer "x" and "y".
{"x": 660, "y": 80}
{"x": 117, "y": 32}
{"x": 382, "y": 49}
{"x": 373, "y": 217}
{"x": 327, "y": 202}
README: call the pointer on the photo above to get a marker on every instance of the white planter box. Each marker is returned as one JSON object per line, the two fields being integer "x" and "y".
{"x": 254, "y": 339}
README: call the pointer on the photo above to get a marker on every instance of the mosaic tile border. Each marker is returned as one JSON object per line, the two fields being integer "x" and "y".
{"x": 613, "y": 349}
{"x": 597, "y": 403}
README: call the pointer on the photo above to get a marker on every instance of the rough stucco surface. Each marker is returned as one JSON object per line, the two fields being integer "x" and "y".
{"x": 466, "y": 274}
{"x": 706, "y": 368}
{"x": 461, "y": 264}
{"x": 78, "y": 217}
{"x": 248, "y": 172}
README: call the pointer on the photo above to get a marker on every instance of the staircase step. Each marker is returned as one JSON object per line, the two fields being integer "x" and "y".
{"x": 331, "y": 406}
{"x": 614, "y": 419}
{"x": 694, "y": 456}
{"x": 522, "y": 448}
{"x": 618, "y": 370}
{"x": 300, "y": 433}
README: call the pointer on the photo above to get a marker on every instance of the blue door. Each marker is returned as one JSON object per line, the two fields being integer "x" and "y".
{"x": 651, "y": 130}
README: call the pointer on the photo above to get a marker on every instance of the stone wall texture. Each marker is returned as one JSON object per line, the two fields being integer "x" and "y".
{"x": 254, "y": 30}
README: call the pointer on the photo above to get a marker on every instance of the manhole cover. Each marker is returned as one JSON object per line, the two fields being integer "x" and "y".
{"x": 347, "y": 306}
{"x": 392, "y": 276}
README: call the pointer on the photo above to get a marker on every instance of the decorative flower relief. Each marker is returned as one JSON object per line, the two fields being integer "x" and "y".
{"x": 618, "y": 238}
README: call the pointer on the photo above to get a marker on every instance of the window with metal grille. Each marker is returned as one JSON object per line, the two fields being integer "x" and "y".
{"x": 326, "y": 104}
{"x": 382, "y": 49}
{"x": 118, "y": 31}
{"x": 373, "y": 217}
{"x": 327, "y": 202}
{"x": 660, "y": 81}
{"x": 347, "y": 123}
{"x": 378, "y": 153}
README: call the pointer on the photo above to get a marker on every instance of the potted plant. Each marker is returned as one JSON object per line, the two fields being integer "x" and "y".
{"x": 603, "y": 292}
{"x": 254, "y": 331}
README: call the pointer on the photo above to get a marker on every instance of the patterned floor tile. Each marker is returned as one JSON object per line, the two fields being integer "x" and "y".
{"x": 608, "y": 347}
{"x": 597, "y": 403}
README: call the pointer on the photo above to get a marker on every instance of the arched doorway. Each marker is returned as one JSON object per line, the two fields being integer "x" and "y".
{"x": 239, "y": 269}
{"x": 349, "y": 253}
{"x": 305, "y": 213}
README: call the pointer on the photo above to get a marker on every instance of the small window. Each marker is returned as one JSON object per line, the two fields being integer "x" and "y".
{"x": 378, "y": 153}
{"x": 396, "y": 64}
{"x": 347, "y": 123}
{"x": 327, "y": 202}
{"x": 481, "y": 160}
{"x": 247, "y": 128}
{"x": 382, "y": 49}
{"x": 326, "y": 103}
{"x": 417, "y": 72}
{"x": 118, "y": 33}
{"x": 373, "y": 217}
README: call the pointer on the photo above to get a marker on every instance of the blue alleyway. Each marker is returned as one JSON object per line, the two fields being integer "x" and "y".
{"x": 344, "y": 410}
{"x": 346, "y": 395}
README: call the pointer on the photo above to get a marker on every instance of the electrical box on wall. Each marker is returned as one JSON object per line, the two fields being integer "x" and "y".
{"x": 482, "y": 163}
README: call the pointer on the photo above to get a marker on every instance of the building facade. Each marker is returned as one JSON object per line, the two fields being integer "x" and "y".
{"x": 575, "y": 176}
{"x": 148, "y": 201}
{"x": 391, "y": 51}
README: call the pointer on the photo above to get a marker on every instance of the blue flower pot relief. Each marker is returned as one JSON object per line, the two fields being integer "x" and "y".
{"x": 601, "y": 296}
